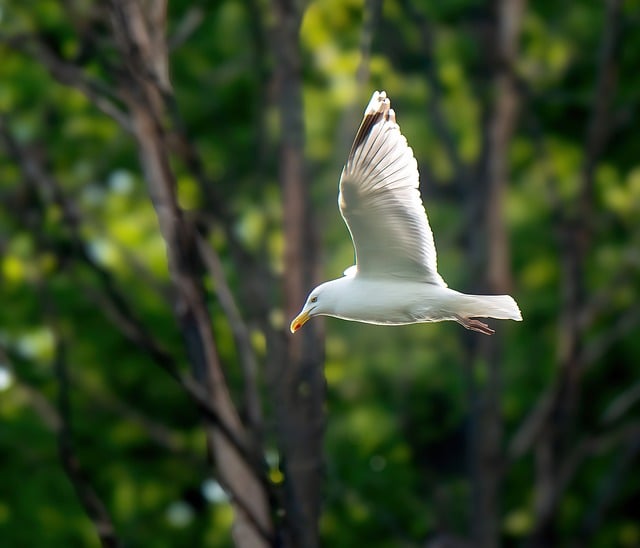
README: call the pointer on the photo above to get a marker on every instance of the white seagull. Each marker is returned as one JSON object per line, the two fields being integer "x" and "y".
{"x": 395, "y": 280}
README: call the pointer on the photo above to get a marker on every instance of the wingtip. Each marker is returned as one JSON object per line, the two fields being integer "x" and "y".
{"x": 518, "y": 312}
{"x": 379, "y": 108}
{"x": 379, "y": 103}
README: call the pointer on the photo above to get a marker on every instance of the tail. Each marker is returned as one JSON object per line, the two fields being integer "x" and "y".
{"x": 501, "y": 307}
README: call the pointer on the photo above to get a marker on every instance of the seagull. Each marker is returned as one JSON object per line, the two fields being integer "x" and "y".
{"x": 395, "y": 280}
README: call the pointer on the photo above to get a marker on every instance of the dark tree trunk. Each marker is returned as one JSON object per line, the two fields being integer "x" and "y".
{"x": 298, "y": 384}
{"x": 491, "y": 257}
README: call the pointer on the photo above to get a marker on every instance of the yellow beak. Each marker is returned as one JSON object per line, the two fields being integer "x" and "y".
{"x": 299, "y": 321}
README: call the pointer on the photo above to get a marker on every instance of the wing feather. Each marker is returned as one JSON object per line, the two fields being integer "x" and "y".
{"x": 380, "y": 202}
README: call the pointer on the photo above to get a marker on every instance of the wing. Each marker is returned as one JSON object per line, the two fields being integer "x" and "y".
{"x": 380, "y": 201}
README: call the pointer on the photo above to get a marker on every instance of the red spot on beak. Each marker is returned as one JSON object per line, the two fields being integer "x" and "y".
{"x": 298, "y": 321}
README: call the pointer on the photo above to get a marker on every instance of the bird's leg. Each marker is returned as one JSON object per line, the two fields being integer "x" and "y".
{"x": 475, "y": 325}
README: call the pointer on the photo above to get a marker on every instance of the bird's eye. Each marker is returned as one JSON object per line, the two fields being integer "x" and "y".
{"x": 314, "y": 299}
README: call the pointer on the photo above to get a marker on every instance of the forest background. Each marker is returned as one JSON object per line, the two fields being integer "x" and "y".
{"x": 168, "y": 183}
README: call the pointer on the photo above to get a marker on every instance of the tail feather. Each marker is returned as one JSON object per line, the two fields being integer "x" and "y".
{"x": 501, "y": 307}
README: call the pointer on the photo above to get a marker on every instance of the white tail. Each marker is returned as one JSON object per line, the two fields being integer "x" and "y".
{"x": 502, "y": 307}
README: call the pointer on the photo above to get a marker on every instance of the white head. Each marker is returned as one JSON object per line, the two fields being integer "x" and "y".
{"x": 321, "y": 301}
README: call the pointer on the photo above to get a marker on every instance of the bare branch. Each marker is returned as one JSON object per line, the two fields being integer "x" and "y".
{"x": 89, "y": 498}
{"x": 241, "y": 336}
{"x": 628, "y": 436}
{"x": 606, "y": 83}
{"x": 599, "y": 301}
{"x": 621, "y": 404}
{"x": 610, "y": 484}
{"x": 189, "y": 23}
{"x": 47, "y": 412}
{"x": 58, "y": 421}
{"x": 70, "y": 74}
{"x": 623, "y": 325}
{"x": 436, "y": 114}
{"x": 159, "y": 433}
{"x": 529, "y": 430}
{"x": 371, "y": 15}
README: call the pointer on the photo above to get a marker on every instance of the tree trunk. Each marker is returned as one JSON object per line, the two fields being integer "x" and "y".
{"x": 487, "y": 441}
{"x": 298, "y": 384}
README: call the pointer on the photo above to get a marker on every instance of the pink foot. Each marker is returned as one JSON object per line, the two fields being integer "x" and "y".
{"x": 475, "y": 325}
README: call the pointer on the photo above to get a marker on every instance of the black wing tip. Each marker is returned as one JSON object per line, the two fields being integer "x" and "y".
{"x": 380, "y": 104}
{"x": 379, "y": 107}
{"x": 377, "y": 103}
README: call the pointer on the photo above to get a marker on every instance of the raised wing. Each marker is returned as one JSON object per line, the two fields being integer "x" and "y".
{"x": 380, "y": 201}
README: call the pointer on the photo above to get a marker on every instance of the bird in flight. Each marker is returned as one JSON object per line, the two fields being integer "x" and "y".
{"x": 395, "y": 280}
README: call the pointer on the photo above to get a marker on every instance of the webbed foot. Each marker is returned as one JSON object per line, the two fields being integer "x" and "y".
{"x": 475, "y": 325}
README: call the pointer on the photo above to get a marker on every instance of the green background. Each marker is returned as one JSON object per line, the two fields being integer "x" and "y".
{"x": 397, "y": 465}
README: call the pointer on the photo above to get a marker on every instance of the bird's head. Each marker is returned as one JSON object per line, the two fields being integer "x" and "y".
{"x": 319, "y": 302}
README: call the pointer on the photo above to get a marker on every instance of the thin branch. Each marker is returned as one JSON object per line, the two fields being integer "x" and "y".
{"x": 157, "y": 432}
{"x": 190, "y": 22}
{"x": 599, "y": 301}
{"x": 372, "y": 11}
{"x": 57, "y": 420}
{"x": 47, "y": 412}
{"x": 606, "y": 83}
{"x": 531, "y": 428}
{"x": 596, "y": 348}
{"x": 434, "y": 104}
{"x": 240, "y": 333}
{"x": 628, "y": 435}
{"x": 371, "y": 16}
{"x": 70, "y": 74}
{"x": 610, "y": 484}
{"x": 621, "y": 404}
{"x": 91, "y": 502}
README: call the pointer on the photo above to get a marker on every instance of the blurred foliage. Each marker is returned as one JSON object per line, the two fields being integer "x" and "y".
{"x": 398, "y": 407}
